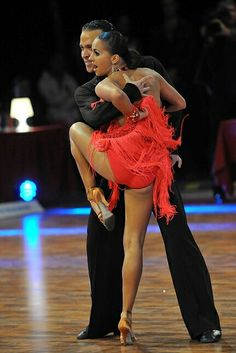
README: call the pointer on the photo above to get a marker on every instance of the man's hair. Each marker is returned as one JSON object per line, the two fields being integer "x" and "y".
{"x": 103, "y": 25}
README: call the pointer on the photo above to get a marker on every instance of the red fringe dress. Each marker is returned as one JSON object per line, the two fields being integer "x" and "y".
{"x": 139, "y": 155}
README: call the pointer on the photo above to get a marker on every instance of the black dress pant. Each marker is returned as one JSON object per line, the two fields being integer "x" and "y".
{"x": 188, "y": 270}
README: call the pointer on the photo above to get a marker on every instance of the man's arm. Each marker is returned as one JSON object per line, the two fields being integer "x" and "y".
{"x": 104, "y": 112}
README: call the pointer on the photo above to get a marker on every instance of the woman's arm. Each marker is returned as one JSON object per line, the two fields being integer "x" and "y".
{"x": 111, "y": 92}
{"x": 105, "y": 112}
{"x": 102, "y": 113}
{"x": 172, "y": 96}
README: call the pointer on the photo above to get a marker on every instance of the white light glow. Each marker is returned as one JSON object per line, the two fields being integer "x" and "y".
{"x": 21, "y": 109}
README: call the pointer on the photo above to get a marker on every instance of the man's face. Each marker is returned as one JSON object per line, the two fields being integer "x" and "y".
{"x": 86, "y": 41}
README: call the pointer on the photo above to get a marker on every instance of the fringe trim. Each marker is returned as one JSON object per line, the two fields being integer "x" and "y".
{"x": 144, "y": 147}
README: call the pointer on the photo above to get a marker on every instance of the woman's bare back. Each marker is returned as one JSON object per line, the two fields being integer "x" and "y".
{"x": 154, "y": 82}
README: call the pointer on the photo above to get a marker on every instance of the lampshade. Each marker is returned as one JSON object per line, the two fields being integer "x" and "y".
{"x": 21, "y": 109}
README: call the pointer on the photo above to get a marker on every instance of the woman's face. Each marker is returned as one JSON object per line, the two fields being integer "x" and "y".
{"x": 101, "y": 58}
{"x": 86, "y": 41}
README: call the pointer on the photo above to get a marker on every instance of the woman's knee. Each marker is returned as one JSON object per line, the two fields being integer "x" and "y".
{"x": 134, "y": 241}
{"x": 76, "y": 129}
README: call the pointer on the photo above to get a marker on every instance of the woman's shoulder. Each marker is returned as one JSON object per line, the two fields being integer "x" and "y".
{"x": 134, "y": 74}
{"x": 146, "y": 71}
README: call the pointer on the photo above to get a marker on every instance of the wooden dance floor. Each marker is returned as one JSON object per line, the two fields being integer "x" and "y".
{"x": 45, "y": 295}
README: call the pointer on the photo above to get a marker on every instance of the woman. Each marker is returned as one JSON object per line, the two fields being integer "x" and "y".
{"x": 131, "y": 151}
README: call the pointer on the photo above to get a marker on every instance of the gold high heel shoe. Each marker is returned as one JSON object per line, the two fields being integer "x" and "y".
{"x": 99, "y": 204}
{"x": 127, "y": 336}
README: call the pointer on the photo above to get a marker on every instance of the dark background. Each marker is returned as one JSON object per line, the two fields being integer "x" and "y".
{"x": 32, "y": 31}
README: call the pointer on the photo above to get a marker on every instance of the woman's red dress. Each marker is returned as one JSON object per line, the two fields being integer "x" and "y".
{"x": 139, "y": 155}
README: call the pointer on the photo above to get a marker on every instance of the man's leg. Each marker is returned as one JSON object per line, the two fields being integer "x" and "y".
{"x": 189, "y": 273}
{"x": 105, "y": 260}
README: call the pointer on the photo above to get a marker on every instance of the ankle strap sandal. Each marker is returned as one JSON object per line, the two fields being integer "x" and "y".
{"x": 99, "y": 204}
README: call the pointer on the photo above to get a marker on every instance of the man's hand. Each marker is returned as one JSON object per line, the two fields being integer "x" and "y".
{"x": 141, "y": 84}
{"x": 176, "y": 159}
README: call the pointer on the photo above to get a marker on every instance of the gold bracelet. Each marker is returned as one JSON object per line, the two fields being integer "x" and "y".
{"x": 134, "y": 115}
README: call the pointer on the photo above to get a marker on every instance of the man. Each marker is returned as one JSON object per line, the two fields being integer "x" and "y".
{"x": 105, "y": 249}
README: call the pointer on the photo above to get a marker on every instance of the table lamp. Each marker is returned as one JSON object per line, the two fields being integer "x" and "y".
{"x": 21, "y": 109}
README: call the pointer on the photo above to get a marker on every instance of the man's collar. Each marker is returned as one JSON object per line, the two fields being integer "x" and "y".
{"x": 99, "y": 78}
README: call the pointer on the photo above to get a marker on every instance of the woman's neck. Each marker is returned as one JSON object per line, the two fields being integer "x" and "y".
{"x": 123, "y": 68}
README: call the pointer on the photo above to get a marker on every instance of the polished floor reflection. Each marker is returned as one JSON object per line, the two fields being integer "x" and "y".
{"x": 45, "y": 296}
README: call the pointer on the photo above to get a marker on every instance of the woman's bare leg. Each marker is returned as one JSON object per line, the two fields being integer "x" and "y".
{"x": 80, "y": 135}
{"x": 138, "y": 207}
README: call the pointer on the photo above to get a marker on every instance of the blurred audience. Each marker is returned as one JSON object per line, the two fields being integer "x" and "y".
{"x": 174, "y": 43}
{"x": 217, "y": 71}
{"x": 56, "y": 87}
{"x": 126, "y": 26}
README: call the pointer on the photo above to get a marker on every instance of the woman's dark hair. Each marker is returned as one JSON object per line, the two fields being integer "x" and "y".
{"x": 103, "y": 25}
{"x": 116, "y": 43}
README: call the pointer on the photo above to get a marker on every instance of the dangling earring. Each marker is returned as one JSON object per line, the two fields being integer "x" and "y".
{"x": 114, "y": 68}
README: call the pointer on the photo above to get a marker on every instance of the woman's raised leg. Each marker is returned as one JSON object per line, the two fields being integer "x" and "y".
{"x": 80, "y": 136}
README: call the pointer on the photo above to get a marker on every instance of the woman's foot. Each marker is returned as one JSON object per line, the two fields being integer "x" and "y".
{"x": 100, "y": 206}
{"x": 127, "y": 336}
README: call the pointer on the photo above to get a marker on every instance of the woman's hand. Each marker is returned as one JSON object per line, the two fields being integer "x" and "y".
{"x": 137, "y": 114}
{"x": 143, "y": 113}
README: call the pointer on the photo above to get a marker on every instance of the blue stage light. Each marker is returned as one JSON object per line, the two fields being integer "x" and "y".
{"x": 28, "y": 190}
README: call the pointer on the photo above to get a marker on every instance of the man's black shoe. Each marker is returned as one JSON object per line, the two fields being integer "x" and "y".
{"x": 84, "y": 334}
{"x": 210, "y": 336}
